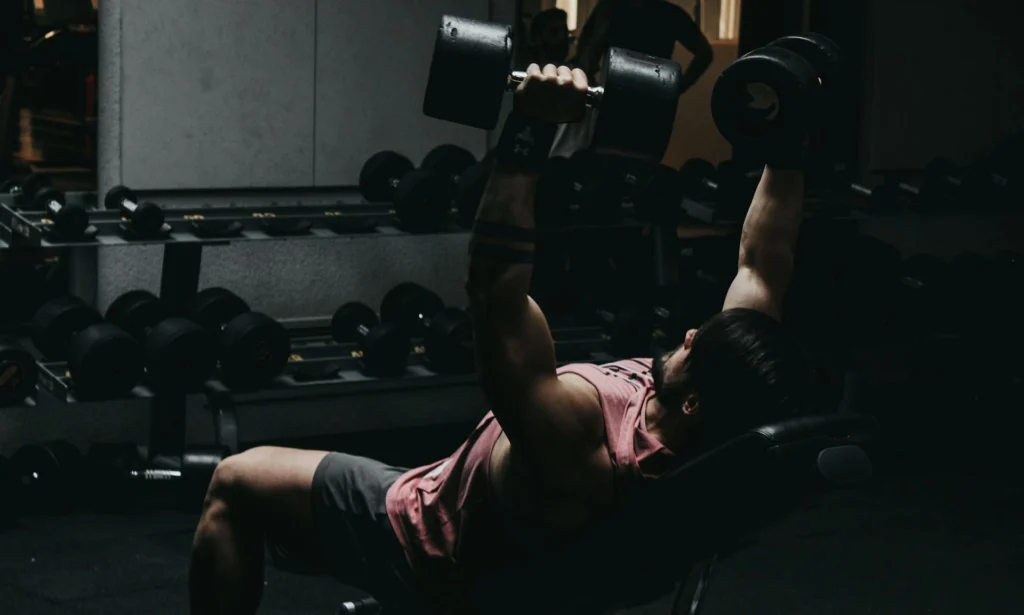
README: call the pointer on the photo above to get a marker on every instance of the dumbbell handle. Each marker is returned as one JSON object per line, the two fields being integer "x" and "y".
{"x": 594, "y": 95}
{"x": 155, "y": 475}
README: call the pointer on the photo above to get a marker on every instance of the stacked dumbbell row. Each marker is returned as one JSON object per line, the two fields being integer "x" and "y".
{"x": 56, "y": 477}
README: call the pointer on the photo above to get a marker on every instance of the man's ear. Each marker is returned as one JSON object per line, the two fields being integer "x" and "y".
{"x": 688, "y": 341}
{"x": 691, "y": 407}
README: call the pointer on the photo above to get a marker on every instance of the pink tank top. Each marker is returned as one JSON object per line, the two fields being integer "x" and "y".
{"x": 441, "y": 513}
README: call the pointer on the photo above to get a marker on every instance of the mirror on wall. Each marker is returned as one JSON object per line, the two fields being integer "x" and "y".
{"x": 48, "y": 85}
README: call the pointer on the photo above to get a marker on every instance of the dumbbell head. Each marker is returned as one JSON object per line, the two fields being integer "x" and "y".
{"x": 449, "y": 342}
{"x": 57, "y": 321}
{"x": 469, "y": 191}
{"x": 46, "y": 473}
{"x": 693, "y": 174}
{"x": 821, "y": 52}
{"x": 105, "y": 362}
{"x": 448, "y": 160}
{"x": 214, "y": 307}
{"x": 136, "y": 311}
{"x": 380, "y": 172}
{"x": 348, "y": 319}
{"x": 180, "y": 356}
{"x": 199, "y": 463}
{"x": 639, "y": 102}
{"x": 762, "y": 103}
{"x": 408, "y": 305}
{"x": 145, "y": 218}
{"x": 254, "y": 349}
{"x": 469, "y": 47}
{"x": 422, "y": 199}
{"x": 17, "y": 372}
{"x": 117, "y": 195}
{"x": 69, "y": 221}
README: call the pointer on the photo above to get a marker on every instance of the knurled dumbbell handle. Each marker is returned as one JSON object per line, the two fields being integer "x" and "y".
{"x": 594, "y": 95}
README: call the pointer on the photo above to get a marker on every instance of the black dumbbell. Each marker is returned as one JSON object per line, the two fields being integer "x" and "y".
{"x": 18, "y": 372}
{"x": 47, "y": 474}
{"x": 448, "y": 161}
{"x": 69, "y": 221}
{"x": 384, "y": 348}
{"x": 179, "y": 353}
{"x": 252, "y": 348}
{"x": 447, "y": 333}
{"x": 143, "y": 219}
{"x": 421, "y": 198}
{"x": 925, "y": 284}
{"x": 788, "y": 77}
{"x": 658, "y": 197}
{"x": 640, "y": 93}
{"x": 121, "y": 472}
{"x": 941, "y": 188}
{"x": 103, "y": 359}
{"x": 583, "y": 186}
{"x": 363, "y": 606}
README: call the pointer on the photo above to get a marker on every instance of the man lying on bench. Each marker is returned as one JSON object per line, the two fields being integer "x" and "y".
{"x": 560, "y": 449}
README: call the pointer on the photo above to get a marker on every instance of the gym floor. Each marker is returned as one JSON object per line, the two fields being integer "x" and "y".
{"x": 910, "y": 543}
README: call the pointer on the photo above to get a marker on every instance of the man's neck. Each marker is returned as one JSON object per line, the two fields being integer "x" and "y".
{"x": 674, "y": 430}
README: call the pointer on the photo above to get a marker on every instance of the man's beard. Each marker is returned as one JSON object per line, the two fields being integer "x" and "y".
{"x": 670, "y": 394}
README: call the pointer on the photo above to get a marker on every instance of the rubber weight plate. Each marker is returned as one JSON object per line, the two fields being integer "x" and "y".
{"x": 468, "y": 47}
{"x": 407, "y": 304}
{"x": 378, "y": 172}
{"x": 254, "y": 349}
{"x": 762, "y": 102}
{"x": 136, "y": 311}
{"x": 348, "y": 318}
{"x": 211, "y": 308}
{"x": 180, "y": 356}
{"x": 448, "y": 160}
{"x": 449, "y": 342}
{"x": 18, "y": 372}
{"x": 386, "y": 350}
{"x": 105, "y": 362}
{"x": 422, "y": 200}
{"x": 56, "y": 323}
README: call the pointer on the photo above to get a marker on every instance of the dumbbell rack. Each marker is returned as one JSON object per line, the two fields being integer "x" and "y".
{"x": 186, "y": 232}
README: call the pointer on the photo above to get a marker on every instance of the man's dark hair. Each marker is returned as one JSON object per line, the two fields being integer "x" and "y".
{"x": 745, "y": 369}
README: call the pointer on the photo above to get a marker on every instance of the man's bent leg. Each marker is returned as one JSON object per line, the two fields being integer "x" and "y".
{"x": 262, "y": 488}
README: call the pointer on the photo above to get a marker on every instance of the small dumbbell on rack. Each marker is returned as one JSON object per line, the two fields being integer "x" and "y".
{"x": 383, "y": 348}
{"x": 104, "y": 361}
{"x": 421, "y": 198}
{"x": 447, "y": 333}
{"x": 252, "y": 348}
{"x": 47, "y": 475}
{"x": 179, "y": 353}
{"x": 65, "y": 221}
{"x": 142, "y": 219}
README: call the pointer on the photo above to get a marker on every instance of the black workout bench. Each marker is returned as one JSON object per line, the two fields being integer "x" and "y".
{"x": 711, "y": 507}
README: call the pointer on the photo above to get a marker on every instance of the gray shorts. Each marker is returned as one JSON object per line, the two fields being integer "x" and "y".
{"x": 356, "y": 542}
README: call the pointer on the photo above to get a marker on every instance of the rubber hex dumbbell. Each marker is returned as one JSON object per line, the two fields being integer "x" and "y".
{"x": 47, "y": 474}
{"x": 143, "y": 219}
{"x": 768, "y": 100}
{"x": 18, "y": 372}
{"x": 448, "y": 161}
{"x": 179, "y": 353}
{"x": 421, "y": 198}
{"x": 69, "y": 221}
{"x": 103, "y": 359}
{"x": 581, "y": 183}
{"x": 447, "y": 333}
{"x": 384, "y": 348}
{"x": 640, "y": 93}
{"x": 252, "y": 348}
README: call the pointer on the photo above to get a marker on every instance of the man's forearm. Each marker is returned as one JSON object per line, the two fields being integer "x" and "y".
{"x": 772, "y": 225}
{"x": 507, "y": 205}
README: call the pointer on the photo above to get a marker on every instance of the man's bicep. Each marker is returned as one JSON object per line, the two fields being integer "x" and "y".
{"x": 750, "y": 289}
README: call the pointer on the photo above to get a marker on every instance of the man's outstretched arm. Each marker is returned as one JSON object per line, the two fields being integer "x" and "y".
{"x": 550, "y": 424}
{"x": 768, "y": 243}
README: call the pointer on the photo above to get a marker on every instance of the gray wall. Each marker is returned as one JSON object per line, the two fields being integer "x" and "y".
{"x": 200, "y": 94}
